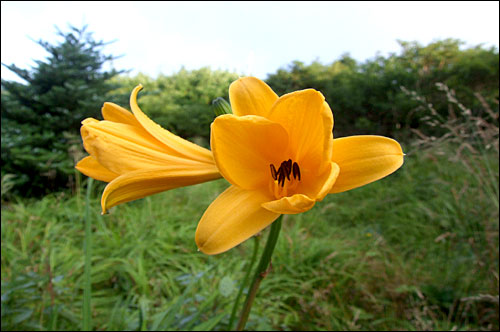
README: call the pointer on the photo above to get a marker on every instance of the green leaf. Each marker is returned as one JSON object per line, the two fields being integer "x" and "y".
{"x": 22, "y": 316}
{"x": 209, "y": 324}
{"x": 226, "y": 286}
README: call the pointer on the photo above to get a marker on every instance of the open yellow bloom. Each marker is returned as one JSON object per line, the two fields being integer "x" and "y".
{"x": 278, "y": 153}
{"x": 280, "y": 157}
{"x": 139, "y": 158}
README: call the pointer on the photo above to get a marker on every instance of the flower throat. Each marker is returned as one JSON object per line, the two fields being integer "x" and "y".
{"x": 285, "y": 179}
{"x": 285, "y": 171}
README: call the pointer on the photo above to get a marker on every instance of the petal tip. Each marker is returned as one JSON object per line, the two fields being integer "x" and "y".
{"x": 201, "y": 245}
{"x": 133, "y": 95}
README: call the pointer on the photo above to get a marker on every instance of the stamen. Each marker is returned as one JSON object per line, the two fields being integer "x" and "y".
{"x": 286, "y": 169}
{"x": 273, "y": 172}
{"x": 296, "y": 171}
{"x": 281, "y": 178}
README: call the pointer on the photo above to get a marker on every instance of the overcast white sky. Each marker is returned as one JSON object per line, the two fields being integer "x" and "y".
{"x": 251, "y": 38}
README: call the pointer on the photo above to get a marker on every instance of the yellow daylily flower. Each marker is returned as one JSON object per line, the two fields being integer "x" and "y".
{"x": 138, "y": 157}
{"x": 280, "y": 157}
{"x": 278, "y": 153}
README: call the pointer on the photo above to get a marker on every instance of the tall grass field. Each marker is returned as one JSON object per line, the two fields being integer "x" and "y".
{"x": 417, "y": 250}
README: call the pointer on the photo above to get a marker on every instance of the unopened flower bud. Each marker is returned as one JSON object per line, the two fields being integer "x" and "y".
{"x": 221, "y": 106}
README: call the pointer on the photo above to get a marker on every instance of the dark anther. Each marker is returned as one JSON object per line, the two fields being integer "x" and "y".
{"x": 296, "y": 171}
{"x": 289, "y": 167}
{"x": 286, "y": 169}
{"x": 273, "y": 172}
{"x": 281, "y": 179}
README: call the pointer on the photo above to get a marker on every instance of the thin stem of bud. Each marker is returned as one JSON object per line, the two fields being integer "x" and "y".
{"x": 261, "y": 272}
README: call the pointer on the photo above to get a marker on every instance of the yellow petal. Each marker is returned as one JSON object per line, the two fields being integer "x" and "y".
{"x": 309, "y": 125}
{"x": 232, "y": 218}
{"x": 297, "y": 203}
{"x": 245, "y": 146}
{"x": 89, "y": 121}
{"x": 123, "y": 148}
{"x": 172, "y": 142}
{"x": 115, "y": 113}
{"x": 142, "y": 183}
{"x": 318, "y": 187}
{"x": 327, "y": 116}
{"x": 91, "y": 167}
{"x": 251, "y": 96}
{"x": 364, "y": 159}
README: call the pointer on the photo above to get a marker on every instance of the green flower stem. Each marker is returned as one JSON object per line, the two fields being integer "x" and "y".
{"x": 87, "y": 285}
{"x": 260, "y": 273}
{"x": 244, "y": 283}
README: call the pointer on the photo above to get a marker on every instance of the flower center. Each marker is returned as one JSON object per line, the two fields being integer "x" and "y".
{"x": 285, "y": 178}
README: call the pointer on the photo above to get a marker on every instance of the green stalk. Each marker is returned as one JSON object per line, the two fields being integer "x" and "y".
{"x": 244, "y": 283}
{"x": 87, "y": 285}
{"x": 261, "y": 272}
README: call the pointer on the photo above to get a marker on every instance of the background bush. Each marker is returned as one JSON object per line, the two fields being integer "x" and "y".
{"x": 181, "y": 102}
{"x": 41, "y": 119}
{"x": 367, "y": 98}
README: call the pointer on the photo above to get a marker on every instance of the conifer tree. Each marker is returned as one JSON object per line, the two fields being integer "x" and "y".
{"x": 42, "y": 116}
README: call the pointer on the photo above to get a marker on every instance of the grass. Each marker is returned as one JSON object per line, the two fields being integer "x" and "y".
{"x": 415, "y": 251}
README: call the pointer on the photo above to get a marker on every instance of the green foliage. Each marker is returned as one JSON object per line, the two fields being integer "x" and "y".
{"x": 7, "y": 184}
{"x": 41, "y": 118}
{"x": 368, "y": 98}
{"x": 182, "y": 102}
